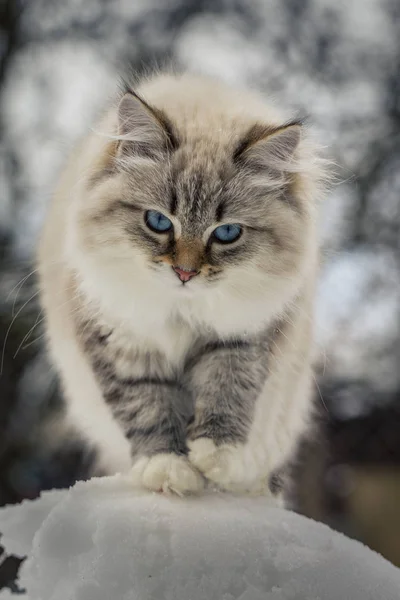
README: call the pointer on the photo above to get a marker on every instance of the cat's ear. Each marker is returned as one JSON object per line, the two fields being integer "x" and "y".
{"x": 264, "y": 147}
{"x": 144, "y": 130}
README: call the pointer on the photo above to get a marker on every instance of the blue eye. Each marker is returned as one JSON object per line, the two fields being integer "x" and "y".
{"x": 228, "y": 233}
{"x": 158, "y": 222}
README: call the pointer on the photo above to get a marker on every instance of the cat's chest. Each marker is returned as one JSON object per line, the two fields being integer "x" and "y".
{"x": 160, "y": 351}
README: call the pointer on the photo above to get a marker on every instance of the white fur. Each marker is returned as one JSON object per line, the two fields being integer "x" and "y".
{"x": 167, "y": 473}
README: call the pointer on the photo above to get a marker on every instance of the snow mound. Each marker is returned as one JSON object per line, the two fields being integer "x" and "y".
{"x": 102, "y": 540}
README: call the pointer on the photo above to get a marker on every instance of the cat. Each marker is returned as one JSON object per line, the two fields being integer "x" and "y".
{"x": 177, "y": 269}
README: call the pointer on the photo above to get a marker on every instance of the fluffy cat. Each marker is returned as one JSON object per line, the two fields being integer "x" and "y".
{"x": 177, "y": 269}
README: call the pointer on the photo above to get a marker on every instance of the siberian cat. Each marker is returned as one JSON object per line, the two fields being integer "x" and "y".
{"x": 177, "y": 269}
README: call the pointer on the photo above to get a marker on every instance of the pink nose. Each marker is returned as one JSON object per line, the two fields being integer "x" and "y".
{"x": 184, "y": 274}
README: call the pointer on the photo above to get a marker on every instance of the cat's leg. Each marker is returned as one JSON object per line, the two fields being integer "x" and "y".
{"x": 154, "y": 417}
{"x": 251, "y": 407}
{"x": 149, "y": 406}
{"x": 154, "y": 429}
{"x": 137, "y": 425}
{"x": 227, "y": 379}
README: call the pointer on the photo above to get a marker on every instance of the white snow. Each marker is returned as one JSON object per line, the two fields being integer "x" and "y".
{"x": 103, "y": 540}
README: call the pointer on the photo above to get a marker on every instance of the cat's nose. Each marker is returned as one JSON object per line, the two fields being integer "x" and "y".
{"x": 185, "y": 274}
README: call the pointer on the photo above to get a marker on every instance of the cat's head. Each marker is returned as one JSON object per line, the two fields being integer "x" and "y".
{"x": 199, "y": 206}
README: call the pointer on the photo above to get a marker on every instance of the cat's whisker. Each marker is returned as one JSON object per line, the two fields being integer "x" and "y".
{"x": 277, "y": 347}
{"x": 39, "y": 322}
{"x": 319, "y": 393}
{"x": 10, "y": 327}
{"x": 37, "y": 339}
{"x": 18, "y": 285}
{"x": 41, "y": 336}
{"x": 27, "y": 335}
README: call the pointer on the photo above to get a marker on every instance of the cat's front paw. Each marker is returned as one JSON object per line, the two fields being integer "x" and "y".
{"x": 227, "y": 466}
{"x": 168, "y": 473}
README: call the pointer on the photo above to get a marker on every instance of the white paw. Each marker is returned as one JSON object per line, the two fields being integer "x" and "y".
{"x": 168, "y": 473}
{"x": 228, "y": 466}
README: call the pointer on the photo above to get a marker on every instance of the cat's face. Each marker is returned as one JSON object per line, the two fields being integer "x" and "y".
{"x": 189, "y": 216}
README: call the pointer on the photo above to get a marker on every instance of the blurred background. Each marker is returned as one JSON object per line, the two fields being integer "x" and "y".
{"x": 337, "y": 61}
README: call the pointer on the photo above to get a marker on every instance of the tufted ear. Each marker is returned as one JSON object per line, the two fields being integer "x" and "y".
{"x": 145, "y": 131}
{"x": 264, "y": 147}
